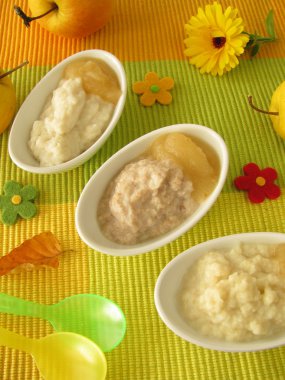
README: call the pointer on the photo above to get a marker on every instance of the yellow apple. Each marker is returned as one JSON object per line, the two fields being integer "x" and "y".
{"x": 7, "y": 102}
{"x": 7, "y": 98}
{"x": 276, "y": 109}
{"x": 69, "y": 18}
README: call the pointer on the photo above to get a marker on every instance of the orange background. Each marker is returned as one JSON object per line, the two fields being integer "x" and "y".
{"x": 127, "y": 25}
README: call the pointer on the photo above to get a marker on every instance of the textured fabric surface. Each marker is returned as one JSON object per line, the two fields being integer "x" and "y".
{"x": 145, "y": 36}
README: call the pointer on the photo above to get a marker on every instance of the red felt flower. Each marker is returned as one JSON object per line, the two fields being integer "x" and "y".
{"x": 258, "y": 183}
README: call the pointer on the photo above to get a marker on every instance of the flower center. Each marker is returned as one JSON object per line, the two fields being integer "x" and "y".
{"x": 219, "y": 42}
{"x": 260, "y": 181}
{"x": 154, "y": 88}
{"x": 16, "y": 199}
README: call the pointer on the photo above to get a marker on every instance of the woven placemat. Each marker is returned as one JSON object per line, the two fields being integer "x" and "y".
{"x": 146, "y": 36}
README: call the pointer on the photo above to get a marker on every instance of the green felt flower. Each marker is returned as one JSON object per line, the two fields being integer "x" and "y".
{"x": 17, "y": 201}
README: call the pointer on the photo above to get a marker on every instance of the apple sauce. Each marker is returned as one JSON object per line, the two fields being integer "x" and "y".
{"x": 156, "y": 192}
{"x": 76, "y": 113}
{"x": 198, "y": 161}
{"x": 97, "y": 78}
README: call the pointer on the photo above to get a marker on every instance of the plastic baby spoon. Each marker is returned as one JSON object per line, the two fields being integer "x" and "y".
{"x": 64, "y": 356}
{"x": 93, "y": 316}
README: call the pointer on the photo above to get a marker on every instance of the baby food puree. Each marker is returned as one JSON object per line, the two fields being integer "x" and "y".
{"x": 76, "y": 113}
{"x": 157, "y": 191}
{"x": 236, "y": 295}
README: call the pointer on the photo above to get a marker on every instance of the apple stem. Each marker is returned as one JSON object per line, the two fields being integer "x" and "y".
{"x": 14, "y": 69}
{"x": 258, "y": 109}
{"x": 27, "y": 19}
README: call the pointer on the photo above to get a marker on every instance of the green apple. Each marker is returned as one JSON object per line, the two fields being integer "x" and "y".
{"x": 69, "y": 18}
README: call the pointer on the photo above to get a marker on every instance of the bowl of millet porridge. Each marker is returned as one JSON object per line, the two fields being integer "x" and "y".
{"x": 227, "y": 294}
{"x": 153, "y": 190}
{"x": 69, "y": 114}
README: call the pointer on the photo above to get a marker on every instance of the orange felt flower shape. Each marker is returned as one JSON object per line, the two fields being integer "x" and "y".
{"x": 154, "y": 89}
{"x": 258, "y": 183}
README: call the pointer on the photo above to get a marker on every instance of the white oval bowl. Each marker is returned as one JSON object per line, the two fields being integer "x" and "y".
{"x": 169, "y": 282}
{"x": 32, "y": 107}
{"x": 86, "y": 211}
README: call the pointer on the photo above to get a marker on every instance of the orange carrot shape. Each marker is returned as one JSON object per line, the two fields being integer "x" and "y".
{"x": 42, "y": 249}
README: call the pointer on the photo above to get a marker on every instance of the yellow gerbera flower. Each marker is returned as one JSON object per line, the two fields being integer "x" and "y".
{"x": 215, "y": 39}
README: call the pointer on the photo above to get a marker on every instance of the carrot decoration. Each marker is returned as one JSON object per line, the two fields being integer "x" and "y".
{"x": 42, "y": 249}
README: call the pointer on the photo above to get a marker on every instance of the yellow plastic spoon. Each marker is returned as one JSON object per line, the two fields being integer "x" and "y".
{"x": 64, "y": 356}
{"x": 91, "y": 315}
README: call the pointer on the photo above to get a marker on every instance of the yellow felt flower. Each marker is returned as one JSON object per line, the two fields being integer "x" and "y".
{"x": 154, "y": 89}
{"x": 215, "y": 39}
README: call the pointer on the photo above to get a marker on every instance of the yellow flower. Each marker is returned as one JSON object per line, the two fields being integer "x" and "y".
{"x": 154, "y": 89}
{"x": 215, "y": 39}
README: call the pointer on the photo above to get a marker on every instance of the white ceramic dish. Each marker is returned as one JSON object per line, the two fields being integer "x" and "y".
{"x": 34, "y": 103}
{"x": 169, "y": 282}
{"x": 86, "y": 221}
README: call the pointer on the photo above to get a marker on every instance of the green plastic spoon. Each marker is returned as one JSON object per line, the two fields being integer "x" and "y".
{"x": 91, "y": 315}
{"x": 64, "y": 356}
